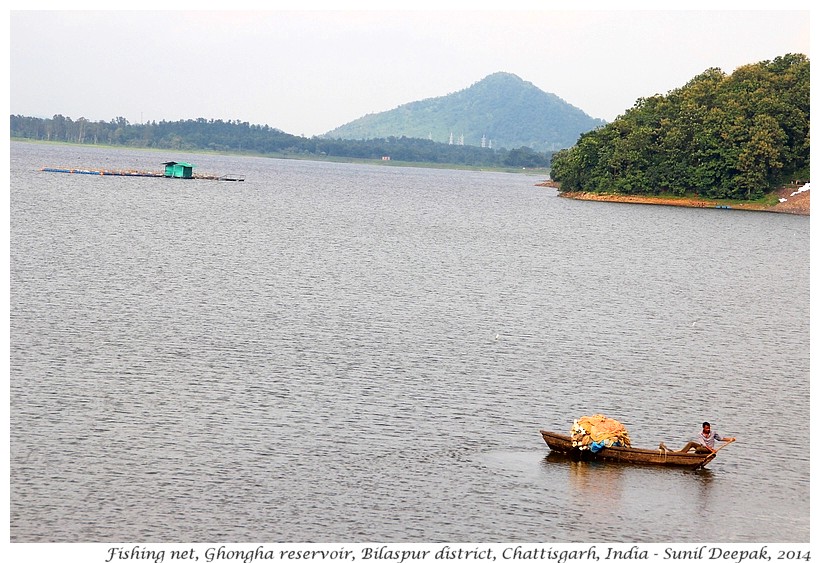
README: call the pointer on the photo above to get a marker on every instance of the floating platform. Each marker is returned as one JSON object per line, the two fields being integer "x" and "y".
{"x": 144, "y": 174}
{"x": 105, "y": 172}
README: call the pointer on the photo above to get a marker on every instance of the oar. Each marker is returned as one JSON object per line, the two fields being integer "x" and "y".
{"x": 723, "y": 446}
{"x": 712, "y": 455}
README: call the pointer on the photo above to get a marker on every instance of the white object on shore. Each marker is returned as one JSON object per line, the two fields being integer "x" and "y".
{"x": 804, "y": 188}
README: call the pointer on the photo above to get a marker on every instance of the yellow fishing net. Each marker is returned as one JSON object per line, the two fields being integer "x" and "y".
{"x": 600, "y": 429}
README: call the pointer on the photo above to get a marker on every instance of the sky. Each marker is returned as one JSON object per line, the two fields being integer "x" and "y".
{"x": 310, "y": 69}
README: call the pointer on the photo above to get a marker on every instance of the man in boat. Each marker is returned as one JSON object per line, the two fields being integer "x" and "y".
{"x": 706, "y": 441}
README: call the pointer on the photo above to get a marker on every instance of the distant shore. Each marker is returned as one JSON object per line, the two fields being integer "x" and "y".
{"x": 295, "y": 156}
{"x": 787, "y": 200}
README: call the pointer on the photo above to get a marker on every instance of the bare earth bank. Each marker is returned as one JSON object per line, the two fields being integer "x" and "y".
{"x": 795, "y": 203}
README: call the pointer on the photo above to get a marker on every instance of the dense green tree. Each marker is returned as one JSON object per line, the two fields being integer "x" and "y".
{"x": 719, "y": 136}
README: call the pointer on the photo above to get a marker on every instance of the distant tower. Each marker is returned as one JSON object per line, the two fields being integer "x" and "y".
{"x": 461, "y": 139}
{"x": 484, "y": 141}
{"x": 451, "y": 137}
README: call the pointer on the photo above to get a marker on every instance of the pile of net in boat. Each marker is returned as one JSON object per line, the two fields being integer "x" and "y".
{"x": 597, "y": 432}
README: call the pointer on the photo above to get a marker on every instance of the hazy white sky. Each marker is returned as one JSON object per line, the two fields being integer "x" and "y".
{"x": 309, "y": 71}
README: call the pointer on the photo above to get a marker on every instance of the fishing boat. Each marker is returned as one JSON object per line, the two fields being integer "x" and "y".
{"x": 563, "y": 444}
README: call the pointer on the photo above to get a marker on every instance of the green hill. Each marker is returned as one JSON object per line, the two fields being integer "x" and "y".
{"x": 500, "y": 111}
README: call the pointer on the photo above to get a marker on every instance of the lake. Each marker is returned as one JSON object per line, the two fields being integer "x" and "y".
{"x": 336, "y": 352}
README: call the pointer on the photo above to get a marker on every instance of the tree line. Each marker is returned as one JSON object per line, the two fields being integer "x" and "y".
{"x": 242, "y": 137}
{"x": 720, "y": 136}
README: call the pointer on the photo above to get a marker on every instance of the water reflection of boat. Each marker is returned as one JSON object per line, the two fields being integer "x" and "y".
{"x": 661, "y": 457}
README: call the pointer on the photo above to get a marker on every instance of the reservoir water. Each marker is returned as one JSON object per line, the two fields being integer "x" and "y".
{"x": 346, "y": 352}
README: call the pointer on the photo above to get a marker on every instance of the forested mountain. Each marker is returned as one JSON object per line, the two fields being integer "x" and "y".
{"x": 236, "y": 136}
{"x": 720, "y": 136}
{"x": 502, "y": 111}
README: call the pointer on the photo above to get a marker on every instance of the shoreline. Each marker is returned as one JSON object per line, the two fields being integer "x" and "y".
{"x": 794, "y": 204}
{"x": 294, "y": 156}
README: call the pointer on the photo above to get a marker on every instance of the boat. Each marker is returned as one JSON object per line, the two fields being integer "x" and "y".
{"x": 562, "y": 443}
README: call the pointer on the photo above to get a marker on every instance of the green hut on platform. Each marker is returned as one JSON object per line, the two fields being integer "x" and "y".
{"x": 178, "y": 170}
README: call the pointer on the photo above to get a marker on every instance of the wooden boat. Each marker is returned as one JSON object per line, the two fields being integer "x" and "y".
{"x": 563, "y": 444}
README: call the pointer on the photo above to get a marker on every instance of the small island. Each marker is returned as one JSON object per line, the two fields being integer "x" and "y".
{"x": 738, "y": 141}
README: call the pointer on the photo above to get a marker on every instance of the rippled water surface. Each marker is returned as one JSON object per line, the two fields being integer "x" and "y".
{"x": 335, "y": 352}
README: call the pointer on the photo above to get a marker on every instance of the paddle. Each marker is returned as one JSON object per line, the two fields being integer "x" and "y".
{"x": 723, "y": 446}
{"x": 712, "y": 455}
